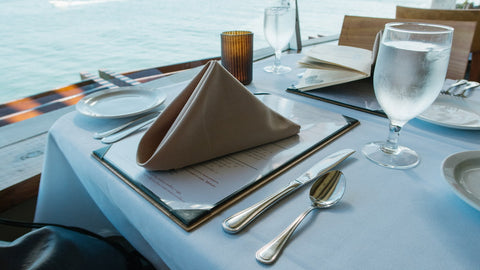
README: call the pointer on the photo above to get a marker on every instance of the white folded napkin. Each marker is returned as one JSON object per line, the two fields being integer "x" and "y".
{"x": 214, "y": 115}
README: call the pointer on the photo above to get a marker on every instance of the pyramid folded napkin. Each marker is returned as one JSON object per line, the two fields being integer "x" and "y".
{"x": 214, "y": 115}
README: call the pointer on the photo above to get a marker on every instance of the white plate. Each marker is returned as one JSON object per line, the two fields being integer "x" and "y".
{"x": 462, "y": 172}
{"x": 119, "y": 102}
{"x": 452, "y": 112}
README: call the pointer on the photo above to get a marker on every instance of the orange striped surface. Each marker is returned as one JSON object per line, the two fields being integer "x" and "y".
{"x": 29, "y": 107}
{"x": 25, "y": 108}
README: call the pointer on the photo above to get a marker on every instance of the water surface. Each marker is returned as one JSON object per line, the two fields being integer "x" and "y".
{"x": 44, "y": 46}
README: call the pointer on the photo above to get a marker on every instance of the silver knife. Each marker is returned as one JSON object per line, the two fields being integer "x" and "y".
{"x": 100, "y": 135}
{"x": 240, "y": 220}
{"x": 124, "y": 133}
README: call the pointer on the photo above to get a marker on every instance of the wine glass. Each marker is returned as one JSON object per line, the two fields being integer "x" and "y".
{"x": 409, "y": 74}
{"x": 278, "y": 27}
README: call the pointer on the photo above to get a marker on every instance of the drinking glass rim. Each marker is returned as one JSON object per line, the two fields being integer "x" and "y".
{"x": 442, "y": 29}
{"x": 237, "y": 33}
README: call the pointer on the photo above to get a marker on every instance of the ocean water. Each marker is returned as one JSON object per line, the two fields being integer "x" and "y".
{"x": 44, "y": 45}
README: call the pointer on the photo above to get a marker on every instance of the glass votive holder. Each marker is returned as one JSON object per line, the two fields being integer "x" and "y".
{"x": 237, "y": 54}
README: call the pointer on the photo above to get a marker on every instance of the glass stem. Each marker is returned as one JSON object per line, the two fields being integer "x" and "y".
{"x": 391, "y": 144}
{"x": 276, "y": 63}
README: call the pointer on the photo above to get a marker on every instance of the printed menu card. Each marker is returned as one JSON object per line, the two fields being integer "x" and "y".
{"x": 193, "y": 194}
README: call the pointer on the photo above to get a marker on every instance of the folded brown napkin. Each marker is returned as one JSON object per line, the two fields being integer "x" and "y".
{"x": 214, "y": 115}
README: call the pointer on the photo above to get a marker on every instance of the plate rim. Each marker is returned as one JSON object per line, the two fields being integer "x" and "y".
{"x": 448, "y": 169}
{"x": 81, "y": 104}
{"x": 452, "y": 104}
{"x": 448, "y": 125}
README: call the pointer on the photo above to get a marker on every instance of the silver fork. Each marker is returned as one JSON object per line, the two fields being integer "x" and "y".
{"x": 470, "y": 86}
{"x": 143, "y": 118}
{"x": 453, "y": 87}
{"x": 126, "y": 132}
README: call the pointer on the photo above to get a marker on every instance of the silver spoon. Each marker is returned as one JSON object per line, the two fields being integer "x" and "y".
{"x": 325, "y": 192}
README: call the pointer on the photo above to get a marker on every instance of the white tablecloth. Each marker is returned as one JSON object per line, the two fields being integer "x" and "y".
{"x": 388, "y": 219}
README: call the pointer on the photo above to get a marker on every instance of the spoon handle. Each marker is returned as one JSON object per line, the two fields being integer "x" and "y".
{"x": 269, "y": 253}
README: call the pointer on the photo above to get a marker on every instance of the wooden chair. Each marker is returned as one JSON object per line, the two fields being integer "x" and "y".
{"x": 361, "y": 31}
{"x": 454, "y": 15}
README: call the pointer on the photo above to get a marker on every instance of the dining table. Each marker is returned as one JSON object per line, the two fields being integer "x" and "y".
{"x": 387, "y": 218}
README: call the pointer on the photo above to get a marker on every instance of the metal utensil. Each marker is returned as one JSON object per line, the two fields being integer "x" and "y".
{"x": 124, "y": 133}
{"x": 469, "y": 86}
{"x": 453, "y": 87}
{"x": 325, "y": 192}
{"x": 100, "y": 135}
{"x": 240, "y": 220}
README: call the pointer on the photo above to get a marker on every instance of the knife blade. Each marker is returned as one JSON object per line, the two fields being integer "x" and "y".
{"x": 240, "y": 220}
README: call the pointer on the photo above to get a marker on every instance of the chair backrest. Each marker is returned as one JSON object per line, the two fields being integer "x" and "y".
{"x": 469, "y": 15}
{"x": 450, "y": 15}
{"x": 361, "y": 32}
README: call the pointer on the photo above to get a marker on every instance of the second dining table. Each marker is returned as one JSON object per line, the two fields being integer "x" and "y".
{"x": 387, "y": 218}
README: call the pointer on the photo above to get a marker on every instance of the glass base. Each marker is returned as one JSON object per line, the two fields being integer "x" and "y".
{"x": 402, "y": 158}
{"x": 278, "y": 69}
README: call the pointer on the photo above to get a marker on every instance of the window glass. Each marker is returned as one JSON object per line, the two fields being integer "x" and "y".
{"x": 46, "y": 43}
{"x": 326, "y": 17}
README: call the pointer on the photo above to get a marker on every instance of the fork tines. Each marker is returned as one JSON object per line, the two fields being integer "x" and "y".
{"x": 460, "y": 88}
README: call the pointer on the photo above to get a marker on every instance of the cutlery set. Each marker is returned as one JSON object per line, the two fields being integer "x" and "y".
{"x": 460, "y": 88}
{"x": 325, "y": 192}
{"x": 122, "y": 131}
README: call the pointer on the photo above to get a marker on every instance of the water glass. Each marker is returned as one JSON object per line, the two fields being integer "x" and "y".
{"x": 278, "y": 27}
{"x": 409, "y": 74}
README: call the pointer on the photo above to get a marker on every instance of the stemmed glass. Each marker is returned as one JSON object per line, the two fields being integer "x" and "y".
{"x": 409, "y": 74}
{"x": 278, "y": 27}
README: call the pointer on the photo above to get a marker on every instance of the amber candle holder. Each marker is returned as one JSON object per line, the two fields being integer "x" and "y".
{"x": 237, "y": 54}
